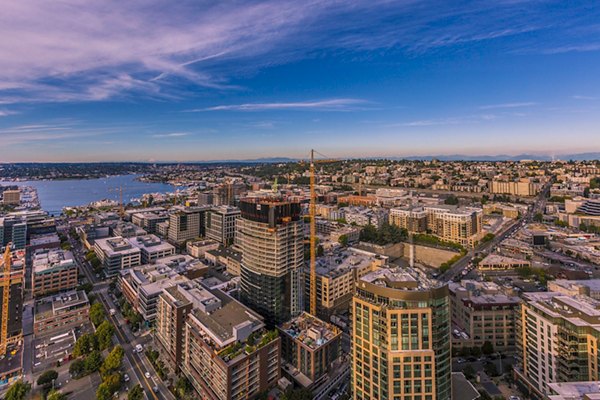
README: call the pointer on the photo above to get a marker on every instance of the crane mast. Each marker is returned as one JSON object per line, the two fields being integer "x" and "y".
{"x": 313, "y": 238}
{"x": 5, "y": 284}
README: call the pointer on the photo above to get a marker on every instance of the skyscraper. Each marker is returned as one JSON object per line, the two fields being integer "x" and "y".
{"x": 401, "y": 337}
{"x": 271, "y": 237}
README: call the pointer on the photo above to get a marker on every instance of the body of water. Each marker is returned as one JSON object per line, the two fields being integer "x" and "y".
{"x": 54, "y": 195}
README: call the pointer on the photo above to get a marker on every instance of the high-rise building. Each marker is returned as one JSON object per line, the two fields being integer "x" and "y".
{"x": 271, "y": 237}
{"x": 557, "y": 339}
{"x": 220, "y": 224}
{"x": 400, "y": 337}
{"x": 13, "y": 230}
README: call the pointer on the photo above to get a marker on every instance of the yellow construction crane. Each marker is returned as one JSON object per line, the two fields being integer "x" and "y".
{"x": 5, "y": 284}
{"x": 121, "y": 207}
{"x": 313, "y": 232}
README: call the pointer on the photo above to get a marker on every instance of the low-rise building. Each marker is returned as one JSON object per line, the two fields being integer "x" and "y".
{"x": 59, "y": 312}
{"x": 495, "y": 262}
{"x": 198, "y": 248}
{"x": 53, "y": 270}
{"x": 587, "y": 390}
{"x": 149, "y": 220}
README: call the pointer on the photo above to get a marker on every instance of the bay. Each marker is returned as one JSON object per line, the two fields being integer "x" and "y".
{"x": 56, "y": 194}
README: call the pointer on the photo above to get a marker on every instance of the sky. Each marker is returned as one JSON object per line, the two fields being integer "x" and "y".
{"x": 154, "y": 80}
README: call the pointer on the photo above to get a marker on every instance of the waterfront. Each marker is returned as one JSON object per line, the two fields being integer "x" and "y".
{"x": 56, "y": 194}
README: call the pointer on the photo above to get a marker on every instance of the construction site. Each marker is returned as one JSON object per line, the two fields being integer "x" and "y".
{"x": 12, "y": 274}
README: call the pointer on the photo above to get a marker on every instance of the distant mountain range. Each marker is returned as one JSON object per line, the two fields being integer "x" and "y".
{"x": 448, "y": 157}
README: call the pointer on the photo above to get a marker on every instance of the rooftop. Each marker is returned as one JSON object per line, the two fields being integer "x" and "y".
{"x": 50, "y": 306}
{"x": 116, "y": 246}
{"x": 407, "y": 279}
{"x": 151, "y": 243}
{"x": 310, "y": 331}
{"x": 341, "y": 261}
{"x": 44, "y": 260}
{"x": 575, "y": 390}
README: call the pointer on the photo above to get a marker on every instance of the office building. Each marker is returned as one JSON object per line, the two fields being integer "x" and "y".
{"x": 557, "y": 338}
{"x": 220, "y": 345}
{"x": 400, "y": 337}
{"x": 60, "y": 312}
{"x": 126, "y": 230}
{"x": 220, "y": 224}
{"x": 272, "y": 241}
{"x": 152, "y": 248}
{"x": 53, "y": 270}
{"x": 149, "y": 220}
{"x": 310, "y": 347}
{"x": 13, "y": 230}
{"x": 116, "y": 253}
{"x": 481, "y": 313}
{"x": 186, "y": 223}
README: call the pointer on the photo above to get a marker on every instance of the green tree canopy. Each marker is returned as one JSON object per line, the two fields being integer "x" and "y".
{"x": 86, "y": 343}
{"x": 104, "y": 335}
{"x": 103, "y": 392}
{"x": 93, "y": 362}
{"x": 113, "y": 361}
{"x": 56, "y": 395}
{"x": 18, "y": 391}
{"x": 77, "y": 368}
{"x": 97, "y": 314}
{"x": 47, "y": 377}
{"x": 136, "y": 393}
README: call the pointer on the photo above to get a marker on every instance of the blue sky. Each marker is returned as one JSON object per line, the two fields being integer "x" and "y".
{"x": 202, "y": 80}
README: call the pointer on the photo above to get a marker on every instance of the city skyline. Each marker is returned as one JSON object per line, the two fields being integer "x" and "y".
{"x": 195, "y": 82}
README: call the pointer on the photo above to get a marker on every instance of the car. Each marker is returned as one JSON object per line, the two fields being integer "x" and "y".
{"x": 147, "y": 375}
{"x": 126, "y": 378}
{"x": 461, "y": 360}
{"x": 139, "y": 348}
{"x": 155, "y": 388}
{"x": 514, "y": 398}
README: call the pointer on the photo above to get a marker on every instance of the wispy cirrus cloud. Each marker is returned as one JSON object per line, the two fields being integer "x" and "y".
{"x": 171, "y": 135}
{"x": 508, "y": 105}
{"x": 77, "y": 50}
{"x": 318, "y": 105}
{"x": 50, "y": 132}
{"x": 580, "y": 97}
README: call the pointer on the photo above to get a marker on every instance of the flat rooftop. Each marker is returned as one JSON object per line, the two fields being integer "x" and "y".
{"x": 341, "y": 261}
{"x": 409, "y": 279}
{"x": 45, "y": 260}
{"x": 52, "y": 305}
{"x": 575, "y": 390}
{"x": 310, "y": 331}
{"x": 151, "y": 243}
{"x": 116, "y": 246}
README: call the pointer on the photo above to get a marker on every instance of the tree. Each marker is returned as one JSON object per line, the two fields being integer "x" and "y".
{"x": 47, "y": 378}
{"x": 18, "y": 390}
{"x": 538, "y": 217}
{"x": 93, "y": 362}
{"x": 103, "y": 392}
{"x": 104, "y": 335}
{"x": 86, "y": 343}
{"x": 491, "y": 369}
{"x": 97, "y": 314}
{"x": 56, "y": 395}
{"x": 297, "y": 394}
{"x": 343, "y": 240}
{"x": 476, "y": 351}
{"x": 487, "y": 348}
{"x": 469, "y": 372}
{"x": 183, "y": 387}
{"x": 452, "y": 200}
{"x": 136, "y": 393}
{"x": 77, "y": 368}
{"x": 113, "y": 382}
{"x": 113, "y": 361}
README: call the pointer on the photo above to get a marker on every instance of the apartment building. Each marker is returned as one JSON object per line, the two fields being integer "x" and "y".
{"x": 588, "y": 287}
{"x": 334, "y": 230}
{"x": 412, "y": 219}
{"x": 116, "y": 253}
{"x": 522, "y": 187}
{"x": 400, "y": 337}
{"x": 199, "y": 248}
{"x": 337, "y": 274}
{"x": 558, "y": 337}
{"x": 152, "y": 248}
{"x": 310, "y": 347}
{"x": 53, "y": 270}
{"x": 481, "y": 313}
{"x": 220, "y": 345}
{"x": 586, "y": 390}
{"x": 11, "y": 197}
{"x": 363, "y": 216}
{"x": 56, "y": 313}
{"x": 220, "y": 224}
{"x": 271, "y": 233}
